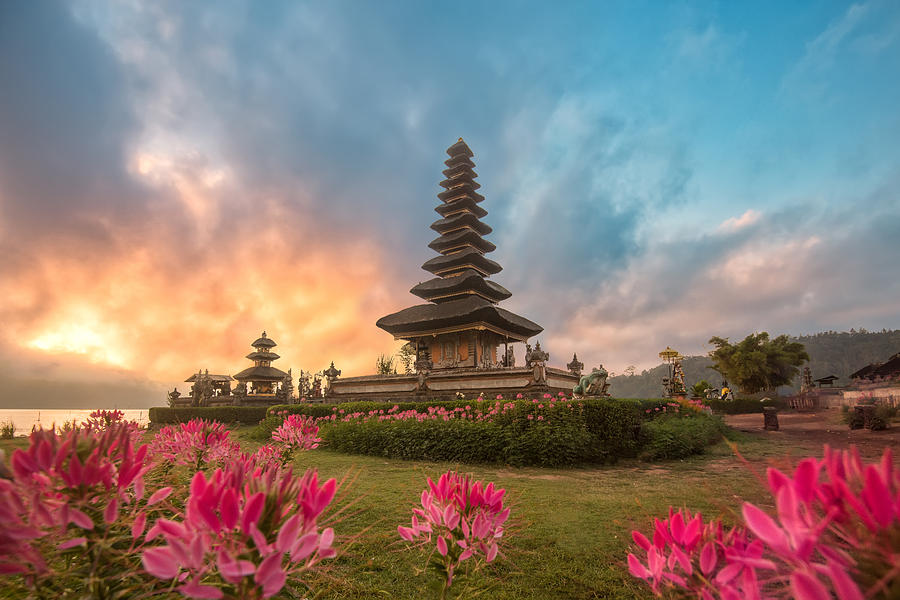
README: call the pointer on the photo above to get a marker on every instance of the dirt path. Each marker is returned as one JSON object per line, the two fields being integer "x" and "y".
{"x": 811, "y": 430}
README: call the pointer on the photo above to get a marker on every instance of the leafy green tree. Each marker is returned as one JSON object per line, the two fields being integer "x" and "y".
{"x": 757, "y": 363}
{"x": 407, "y": 356}
{"x": 698, "y": 390}
{"x": 384, "y": 365}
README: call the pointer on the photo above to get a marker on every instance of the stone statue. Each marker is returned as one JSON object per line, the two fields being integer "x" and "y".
{"x": 575, "y": 367}
{"x": 423, "y": 360}
{"x": 316, "y": 387}
{"x": 202, "y": 390}
{"x": 510, "y": 359}
{"x": 331, "y": 374}
{"x": 304, "y": 387}
{"x": 535, "y": 356}
{"x": 240, "y": 393}
{"x": 536, "y": 360}
{"x": 173, "y": 396}
{"x": 593, "y": 384}
{"x": 422, "y": 381}
{"x": 287, "y": 388}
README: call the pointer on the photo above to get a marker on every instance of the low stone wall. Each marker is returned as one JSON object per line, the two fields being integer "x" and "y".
{"x": 888, "y": 394}
{"x": 444, "y": 385}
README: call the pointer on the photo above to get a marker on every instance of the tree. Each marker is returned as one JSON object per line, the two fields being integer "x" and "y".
{"x": 406, "y": 355}
{"x": 630, "y": 370}
{"x": 699, "y": 389}
{"x": 757, "y": 363}
{"x": 384, "y": 365}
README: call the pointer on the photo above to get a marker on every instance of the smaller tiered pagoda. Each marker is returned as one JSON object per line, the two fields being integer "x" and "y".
{"x": 262, "y": 377}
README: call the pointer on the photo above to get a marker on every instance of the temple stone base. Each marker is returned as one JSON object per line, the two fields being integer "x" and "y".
{"x": 445, "y": 384}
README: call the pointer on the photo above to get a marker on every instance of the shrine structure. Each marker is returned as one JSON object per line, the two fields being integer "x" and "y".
{"x": 262, "y": 379}
{"x": 461, "y": 336}
{"x": 260, "y": 384}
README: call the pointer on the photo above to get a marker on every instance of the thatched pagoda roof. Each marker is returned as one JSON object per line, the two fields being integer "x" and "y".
{"x": 461, "y": 239}
{"x": 442, "y": 289}
{"x": 263, "y": 356}
{"x": 261, "y": 374}
{"x": 460, "y": 221}
{"x": 468, "y": 258}
{"x": 461, "y": 205}
{"x": 213, "y": 378}
{"x": 264, "y": 342}
{"x": 472, "y": 312}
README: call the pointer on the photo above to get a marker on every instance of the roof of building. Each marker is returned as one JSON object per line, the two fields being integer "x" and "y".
{"x": 459, "y": 240}
{"x": 888, "y": 369}
{"x": 472, "y": 312}
{"x": 865, "y": 371}
{"x": 469, "y": 258}
{"x": 460, "y": 168}
{"x": 459, "y": 221}
{"x": 265, "y": 355}
{"x": 827, "y": 379}
{"x": 261, "y": 374}
{"x": 213, "y": 378}
{"x": 460, "y": 148}
{"x": 443, "y": 289}
{"x": 263, "y": 341}
{"x": 460, "y": 205}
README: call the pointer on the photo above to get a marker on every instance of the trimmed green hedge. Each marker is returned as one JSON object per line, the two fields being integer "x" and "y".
{"x": 459, "y": 440}
{"x": 740, "y": 406}
{"x": 593, "y": 430}
{"x": 246, "y": 415}
{"x": 667, "y": 437}
{"x": 454, "y": 440}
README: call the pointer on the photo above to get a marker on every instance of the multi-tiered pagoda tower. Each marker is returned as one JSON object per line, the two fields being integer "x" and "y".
{"x": 458, "y": 332}
{"x": 461, "y": 326}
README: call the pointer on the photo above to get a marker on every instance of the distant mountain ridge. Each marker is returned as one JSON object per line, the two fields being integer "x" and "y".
{"x": 838, "y": 353}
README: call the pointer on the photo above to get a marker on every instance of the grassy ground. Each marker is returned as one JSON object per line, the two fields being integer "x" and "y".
{"x": 570, "y": 528}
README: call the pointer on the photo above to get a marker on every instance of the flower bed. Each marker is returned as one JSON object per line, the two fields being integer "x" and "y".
{"x": 546, "y": 431}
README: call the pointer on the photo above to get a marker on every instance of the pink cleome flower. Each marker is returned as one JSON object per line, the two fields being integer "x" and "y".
{"x": 194, "y": 443}
{"x": 243, "y": 521}
{"x": 298, "y": 432}
{"x": 466, "y": 517}
{"x": 81, "y": 477}
{"x": 832, "y": 516}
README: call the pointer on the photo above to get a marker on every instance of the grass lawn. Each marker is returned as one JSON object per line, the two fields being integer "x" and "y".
{"x": 570, "y": 529}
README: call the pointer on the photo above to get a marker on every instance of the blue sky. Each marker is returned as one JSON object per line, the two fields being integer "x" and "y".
{"x": 656, "y": 173}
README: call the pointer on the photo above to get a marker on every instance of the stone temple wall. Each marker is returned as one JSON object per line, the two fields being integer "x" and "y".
{"x": 444, "y": 385}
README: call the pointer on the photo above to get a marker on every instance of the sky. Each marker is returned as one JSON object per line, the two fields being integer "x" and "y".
{"x": 177, "y": 177}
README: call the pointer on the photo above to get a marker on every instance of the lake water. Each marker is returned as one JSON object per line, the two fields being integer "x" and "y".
{"x": 24, "y": 420}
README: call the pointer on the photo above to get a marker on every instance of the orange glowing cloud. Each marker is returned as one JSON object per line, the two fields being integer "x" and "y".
{"x": 191, "y": 285}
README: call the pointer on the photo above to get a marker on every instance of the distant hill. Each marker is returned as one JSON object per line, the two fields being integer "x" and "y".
{"x": 838, "y": 353}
